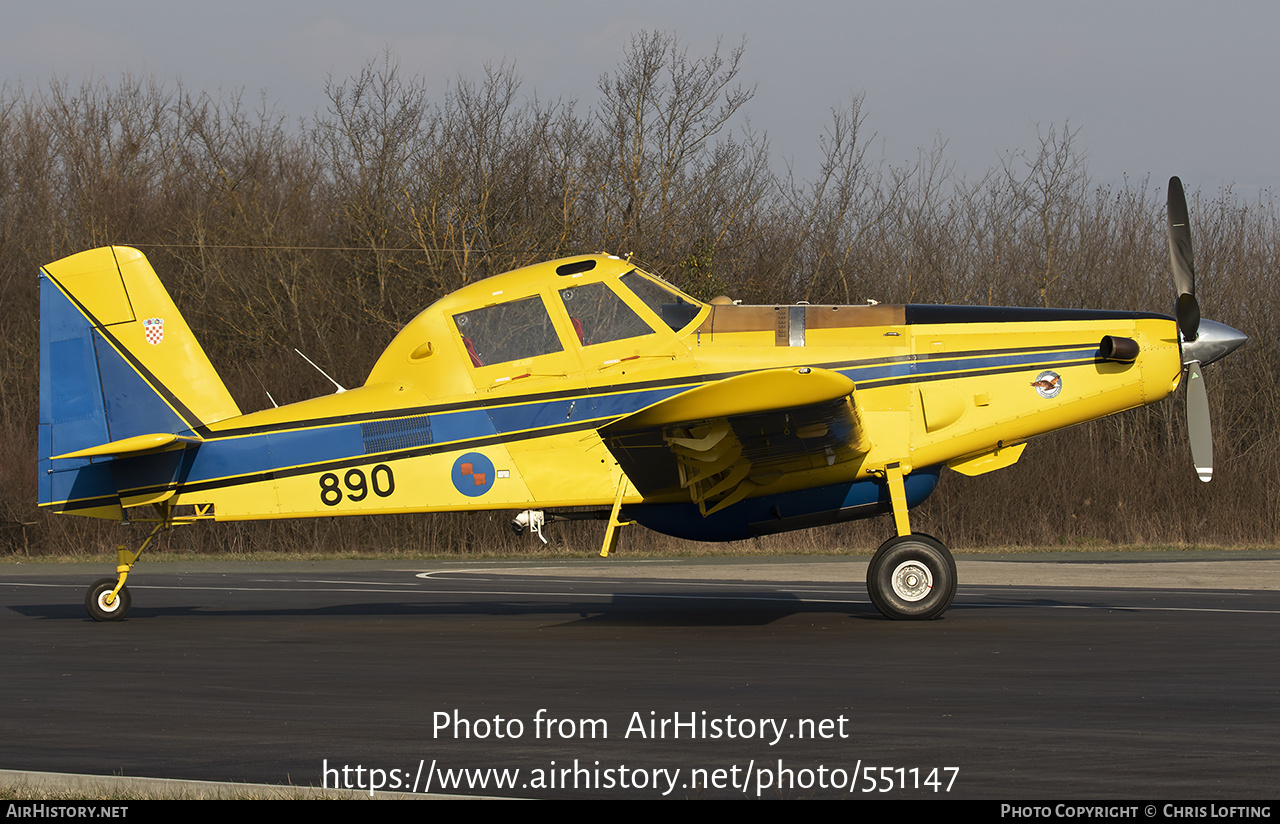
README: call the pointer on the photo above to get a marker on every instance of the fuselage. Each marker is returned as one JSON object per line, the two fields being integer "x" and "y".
{"x": 492, "y": 398}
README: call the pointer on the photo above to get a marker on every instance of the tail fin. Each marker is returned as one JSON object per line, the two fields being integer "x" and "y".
{"x": 118, "y": 367}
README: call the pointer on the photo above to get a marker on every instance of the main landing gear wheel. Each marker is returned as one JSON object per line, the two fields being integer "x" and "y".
{"x": 912, "y": 578}
{"x": 95, "y": 601}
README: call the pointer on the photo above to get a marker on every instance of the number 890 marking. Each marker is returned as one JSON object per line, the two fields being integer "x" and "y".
{"x": 380, "y": 480}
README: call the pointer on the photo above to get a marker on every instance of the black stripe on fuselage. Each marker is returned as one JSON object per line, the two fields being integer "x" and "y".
{"x": 72, "y": 504}
{"x": 590, "y": 392}
{"x": 923, "y": 314}
{"x": 502, "y": 438}
{"x": 971, "y": 373}
{"x": 364, "y": 460}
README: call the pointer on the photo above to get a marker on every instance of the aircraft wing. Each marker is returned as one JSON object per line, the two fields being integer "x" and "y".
{"x": 724, "y": 440}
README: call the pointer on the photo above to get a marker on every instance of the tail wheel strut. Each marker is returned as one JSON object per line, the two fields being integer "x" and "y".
{"x": 108, "y": 599}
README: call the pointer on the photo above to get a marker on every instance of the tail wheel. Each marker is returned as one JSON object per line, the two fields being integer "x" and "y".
{"x": 912, "y": 578}
{"x": 96, "y": 604}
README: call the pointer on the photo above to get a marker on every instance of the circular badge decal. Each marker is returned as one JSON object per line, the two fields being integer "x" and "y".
{"x": 1048, "y": 384}
{"x": 473, "y": 474}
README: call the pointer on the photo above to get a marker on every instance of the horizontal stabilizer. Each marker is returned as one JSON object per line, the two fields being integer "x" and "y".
{"x": 129, "y": 446}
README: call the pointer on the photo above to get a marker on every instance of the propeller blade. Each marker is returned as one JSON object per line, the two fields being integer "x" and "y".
{"x": 1199, "y": 432}
{"x": 1182, "y": 260}
{"x": 1180, "y": 253}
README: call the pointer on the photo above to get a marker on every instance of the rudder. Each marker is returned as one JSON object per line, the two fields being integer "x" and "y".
{"x": 117, "y": 361}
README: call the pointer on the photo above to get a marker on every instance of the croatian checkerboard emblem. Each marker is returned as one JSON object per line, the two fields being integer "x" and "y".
{"x": 473, "y": 474}
{"x": 153, "y": 329}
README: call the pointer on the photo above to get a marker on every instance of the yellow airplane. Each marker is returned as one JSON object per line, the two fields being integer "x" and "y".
{"x": 588, "y": 383}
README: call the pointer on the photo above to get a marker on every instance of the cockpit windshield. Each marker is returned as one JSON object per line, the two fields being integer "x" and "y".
{"x": 675, "y": 309}
{"x": 600, "y": 316}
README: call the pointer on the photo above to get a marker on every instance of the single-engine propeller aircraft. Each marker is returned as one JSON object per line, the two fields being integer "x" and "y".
{"x": 588, "y": 383}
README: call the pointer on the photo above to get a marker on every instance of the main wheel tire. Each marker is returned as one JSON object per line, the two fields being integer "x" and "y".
{"x": 912, "y": 578}
{"x": 95, "y": 603}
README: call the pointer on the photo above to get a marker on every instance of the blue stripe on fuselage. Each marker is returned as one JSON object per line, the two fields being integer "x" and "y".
{"x": 940, "y": 366}
{"x": 252, "y": 455}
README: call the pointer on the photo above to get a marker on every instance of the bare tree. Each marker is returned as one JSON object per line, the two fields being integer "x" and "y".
{"x": 374, "y": 123}
{"x": 659, "y": 117}
{"x": 1048, "y": 187}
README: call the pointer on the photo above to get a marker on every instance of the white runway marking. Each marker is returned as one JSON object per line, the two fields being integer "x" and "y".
{"x": 790, "y": 595}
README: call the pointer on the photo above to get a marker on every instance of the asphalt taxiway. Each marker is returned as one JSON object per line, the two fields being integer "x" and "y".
{"x": 1131, "y": 675}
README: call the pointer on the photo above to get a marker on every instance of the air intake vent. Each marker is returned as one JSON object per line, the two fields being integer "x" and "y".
{"x": 404, "y": 433}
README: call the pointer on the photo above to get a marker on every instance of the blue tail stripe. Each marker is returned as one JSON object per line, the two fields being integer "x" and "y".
{"x": 75, "y": 411}
{"x": 89, "y": 395}
{"x": 132, "y": 406}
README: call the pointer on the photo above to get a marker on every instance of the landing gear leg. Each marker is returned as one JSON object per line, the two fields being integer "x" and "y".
{"x": 911, "y": 577}
{"x": 108, "y": 599}
{"x": 615, "y": 521}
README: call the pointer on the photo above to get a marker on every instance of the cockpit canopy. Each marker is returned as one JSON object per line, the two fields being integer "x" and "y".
{"x": 598, "y": 313}
{"x": 564, "y": 307}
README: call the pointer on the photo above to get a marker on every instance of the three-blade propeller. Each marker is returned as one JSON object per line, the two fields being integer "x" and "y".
{"x": 1203, "y": 342}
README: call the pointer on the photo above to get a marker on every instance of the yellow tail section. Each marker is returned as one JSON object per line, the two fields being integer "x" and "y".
{"x": 118, "y": 293}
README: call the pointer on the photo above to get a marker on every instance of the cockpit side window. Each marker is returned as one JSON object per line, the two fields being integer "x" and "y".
{"x": 669, "y": 305}
{"x": 507, "y": 332}
{"x": 600, "y": 316}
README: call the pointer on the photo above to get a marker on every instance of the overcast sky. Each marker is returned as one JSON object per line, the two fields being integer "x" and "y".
{"x": 1157, "y": 88}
